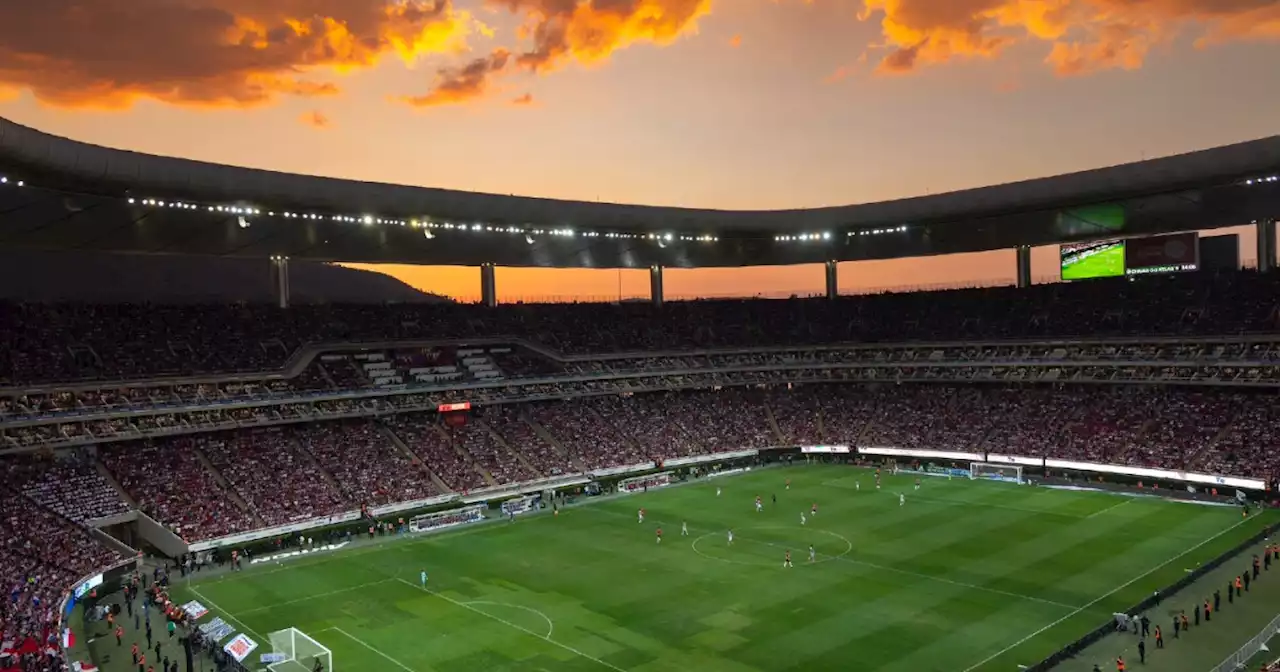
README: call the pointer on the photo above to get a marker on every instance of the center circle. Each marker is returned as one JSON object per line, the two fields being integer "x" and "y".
{"x": 763, "y": 546}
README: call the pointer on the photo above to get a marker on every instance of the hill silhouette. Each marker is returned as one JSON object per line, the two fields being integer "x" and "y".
{"x": 115, "y": 278}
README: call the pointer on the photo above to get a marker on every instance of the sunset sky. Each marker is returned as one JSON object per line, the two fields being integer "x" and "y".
{"x": 734, "y": 104}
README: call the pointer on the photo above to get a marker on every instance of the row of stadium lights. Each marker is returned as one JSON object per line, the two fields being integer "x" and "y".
{"x": 826, "y": 235}
{"x": 427, "y": 225}
{"x": 1262, "y": 180}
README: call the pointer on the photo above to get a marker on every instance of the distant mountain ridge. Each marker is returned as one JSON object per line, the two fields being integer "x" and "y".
{"x": 39, "y": 276}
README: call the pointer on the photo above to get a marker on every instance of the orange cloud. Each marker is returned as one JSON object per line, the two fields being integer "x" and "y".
{"x": 315, "y": 119}
{"x": 466, "y": 83}
{"x": 523, "y": 101}
{"x": 586, "y": 32}
{"x": 735, "y": 41}
{"x": 1082, "y": 36}
{"x": 111, "y": 53}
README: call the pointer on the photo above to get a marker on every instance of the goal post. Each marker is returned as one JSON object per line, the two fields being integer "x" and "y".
{"x": 297, "y": 652}
{"x": 1008, "y": 473}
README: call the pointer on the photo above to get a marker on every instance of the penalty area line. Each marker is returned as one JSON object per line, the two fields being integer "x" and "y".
{"x": 366, "y": 645}
{"x": 509, "y": 624}
{"x": 1100, "y": 598}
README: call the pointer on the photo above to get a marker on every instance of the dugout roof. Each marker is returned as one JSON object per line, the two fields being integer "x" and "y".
{"x": 82, "y": 196}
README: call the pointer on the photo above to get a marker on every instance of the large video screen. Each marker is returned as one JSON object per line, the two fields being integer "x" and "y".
{"x": 1135, "y": 256}
{"x": 1099, "y": 259}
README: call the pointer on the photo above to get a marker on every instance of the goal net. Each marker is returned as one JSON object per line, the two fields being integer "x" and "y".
{"x": 1009, "y": 473}
{"x": 296, "y": 652}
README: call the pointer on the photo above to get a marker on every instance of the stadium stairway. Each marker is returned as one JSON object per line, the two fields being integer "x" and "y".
{"x": 1192, "y": 461}
{"x": 466, "y": 456}
{"x": 404, "y": 448}
{"x": 506, "y": 446}
{"x": 312, "y": 461}
{"x": 110, "y": 478}
{"x": 227, "y": 488}
{"x": 773, "y": 424}
{"x": 324, "y": 373}
{"x": 546, "y": 435}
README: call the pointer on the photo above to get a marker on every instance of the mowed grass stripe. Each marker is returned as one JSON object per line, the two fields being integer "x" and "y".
{"x": 617, "y": 596}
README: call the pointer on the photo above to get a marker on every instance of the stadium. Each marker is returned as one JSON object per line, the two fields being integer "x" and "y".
{"x": 1021, "y": 477}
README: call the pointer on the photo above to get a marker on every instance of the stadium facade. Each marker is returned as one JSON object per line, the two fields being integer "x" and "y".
{"x": 81, "y": 196}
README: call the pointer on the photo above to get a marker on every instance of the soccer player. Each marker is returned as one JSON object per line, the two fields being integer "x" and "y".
{"x": 788, "y": 484}
{"x": 422, "y": 577}
{"x": 759, "y": 504}
{"x": 813, "y": 555}
{"x": 877, "y": 479}
{"x": 684, "y": 529}
{"x": 917, "y": 483}
{"x": 640, "y": 515}
{"x": 813, "y": 510}
{"x": 775, "y": 499}
{"x": 730, "y": 537}
{"x": 786, "y": 561}
{"x": 857, "y": 485}
{"x": 902, "y": 499}
{"x": 803, "y": 520}
{"x": 717, "y": 491}
{"x": 659, "y": 535}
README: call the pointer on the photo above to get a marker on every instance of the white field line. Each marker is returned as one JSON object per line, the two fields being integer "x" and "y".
{"x": 509, "y": 624}
{"x": 226, "y": 613}
{"x": 1109, "y": 508}
{"x": 904, "y": 572}
{"x": 317, "y": 596}
{"x": 1100, "y": 598}
{"x": 361, "y": 642}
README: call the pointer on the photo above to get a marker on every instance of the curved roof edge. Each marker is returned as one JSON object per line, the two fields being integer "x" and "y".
{"x": 152, "y": 175}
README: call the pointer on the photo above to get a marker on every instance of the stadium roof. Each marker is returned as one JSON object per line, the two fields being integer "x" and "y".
{"x": 1204, "y": 189}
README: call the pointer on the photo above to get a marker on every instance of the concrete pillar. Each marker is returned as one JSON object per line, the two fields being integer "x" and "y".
{"x": 1266, "y": 245}
{"x": 833, "y": 280}
{"x": 280, "y": 280}
{"x": 1024, "y": 265}
{"x": 655, "y": 285}
{"x": 488, "y": 285}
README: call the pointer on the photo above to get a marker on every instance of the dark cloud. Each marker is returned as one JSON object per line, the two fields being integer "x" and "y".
{"x": 111, "y": 53}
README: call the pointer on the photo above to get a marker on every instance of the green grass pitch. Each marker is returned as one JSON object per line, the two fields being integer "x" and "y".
{"x": 965, "y": 576}
{"x": 1105, "y": 264}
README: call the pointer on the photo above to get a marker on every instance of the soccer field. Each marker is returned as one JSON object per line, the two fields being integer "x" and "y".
{"x": 965, "y": 576}
{"x": 1105, "y": 264}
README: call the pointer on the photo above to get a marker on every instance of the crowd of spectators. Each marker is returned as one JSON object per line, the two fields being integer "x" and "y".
{"x": 367, "y": 467}
{"x": 509, "y": 422}
{"x": 169, "y": 483}
{"x": 68, "y": 485}
{"x": 61, "y": 342}
{"x": 432, "y": 444}
{"x": 489, "y": 453}
{"x": 42, "y": 554}
{"x": 271, "y": 472}
{"x": 586, "y": 436}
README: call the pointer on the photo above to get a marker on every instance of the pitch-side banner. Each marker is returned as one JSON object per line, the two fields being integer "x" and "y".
{"x": 279, "y": 531}
{"x": 240, "y": 647}
{"x": 936, "y": 454}
{"x": 714, "y": 457}
{"x": 997, "y": 458}
{"x": 1165, "y": 474}
{"x": 824, "y": 449}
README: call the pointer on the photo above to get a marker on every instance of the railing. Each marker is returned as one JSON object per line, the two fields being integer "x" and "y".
{"x": 1241, "y": 658}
